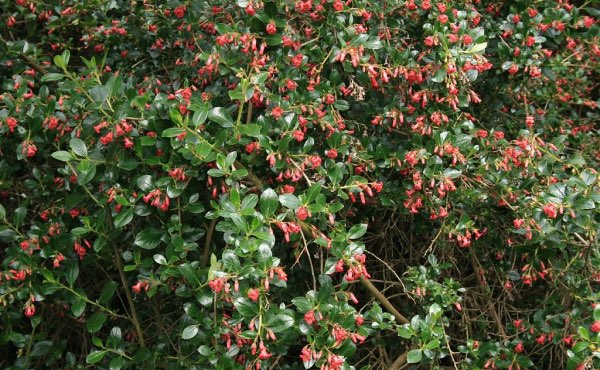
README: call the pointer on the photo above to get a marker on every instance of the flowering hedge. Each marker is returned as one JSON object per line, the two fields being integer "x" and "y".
{"x": 299, "y": 184}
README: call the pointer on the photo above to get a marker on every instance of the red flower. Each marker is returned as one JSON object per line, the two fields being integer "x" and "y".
{"x": 550, "y": 210}
{"x": 29, "y": 310}
{"x": 329, "y": 99}
{"x": 253, "y": 294}
{"x": 277, "y": 112}
{"x": 302, "y": 213}
{"x": 271, "y": 28}
{"x": 541, "y": 339}
{"x": 335, "y": 362}
{"x": 11, "y": 123}
{"x": 595, "y": 328}
{"x": 179, "y": 11}
{"x": 519, "y": 348}
{"x": 298, "y": 135}
{"x": 250, "y": 9}
{"x": 309, "y": 317}
{"x": 518, "y": 223}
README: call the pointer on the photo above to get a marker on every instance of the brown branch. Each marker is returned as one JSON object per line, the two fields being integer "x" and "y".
{"x": 483, "y": 285}
{"x": 401, "y": 360}
{"x": 27, "y": 59}
{"x": 124, "y": 283}
{"x": 383, "y": 300}
{"x": 207, "y": 241}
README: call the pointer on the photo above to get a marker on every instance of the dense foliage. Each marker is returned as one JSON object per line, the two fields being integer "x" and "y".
{"x": 299, "y": 183}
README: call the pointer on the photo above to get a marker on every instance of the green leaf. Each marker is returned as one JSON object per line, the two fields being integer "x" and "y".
{"x": 144, "y": 182}
{"x": 99, "y": 94}
{"x": 175, "y": 117}
{"x": 478, "y": 48}
{"x": 341, "y": 105}
{"x": 173, "y": 131}
{"x": 252, "y": 130}
{"x": 2, "y": 212}
{"x": 357, "y": 231}
{"x": 452, "y": 173}
{"x": 107, "y": 292}
{"x": 414, "y": 356}
{"x": 83, "y": 177}
{"x": 19, "y": 216}
{"x": 52, "y": 77}
{"x": 290, "y": 201}
{"x": 124, "y": 218}
{"x": 148, "y": 238}
{"x": 78, "y": 307}
{"x": 72, "y": 272}
{"x": 78, "y": 147}
{"x": 199, "y": 117}
{"x": 160, "y": 259}
{"x": 116, "y": 363}
{"x": 221, "y": 116}
{"x": 580, "y": 346}
{"x": 95, "y": 356}
{"x": 95, "y": 322}
{"x": 405, "y": 332}
{"x": 60, "y": 62}
{"x": 303, "y": 304}
{"x": 141, "y": 355}
{"x": 313, "y": 192}
{"x": 268, "y": 202}
{"x": 245, "y": 307}
{"x": 433, "y": 344}
{"x": 62, "y": 156}
{"x": 279, "y": 323}
{"x": 439, "y": 76}
{"x": 189, "y": 332}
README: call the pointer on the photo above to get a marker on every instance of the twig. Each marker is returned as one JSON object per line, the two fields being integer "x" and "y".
{"x": 383, "y": 300}
{"x": 207, "y": 241}
{"x": 119, "y": 264}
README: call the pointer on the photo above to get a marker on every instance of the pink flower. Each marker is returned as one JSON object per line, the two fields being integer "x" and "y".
{"x": 309, "y": 317}
{"x": 519, "y": 348}
{"x": 595, "y": 328}
{"x": 302, "y": 213}
{"x": 550, "y": 210}
{"x": 253, "y": 294}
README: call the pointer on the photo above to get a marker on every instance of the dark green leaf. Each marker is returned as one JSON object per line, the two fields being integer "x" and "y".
{"x": 107, "y": 292}
{"x": 124, "y": 218}
{"x": 414, "y": 356}
{"x": 175, "y": 117}
{"x": 52, "y": 77}
{"x": 72, "y": 272}
{"x": 357, "y": 231}
{"x": 78, "y": 147}
{"x": 189, "y": 332}
{"x": 95, "y": 356}
{"x": 144, "y": 182}
{"x": 221, "y": 116}
{"x": 279, "y": 323}
{"x": 116, "y": 363}
{"x": 173, "y": 131}
{"x": 19, "y": 216}
{"x": 99, "y": 94}
{"x": 290, "y": 201}
{"x": 62, "y": 156}
{"x": 78, "y": 307}
{"x": 95, "y": 322}
{"x": 148, "y": 238}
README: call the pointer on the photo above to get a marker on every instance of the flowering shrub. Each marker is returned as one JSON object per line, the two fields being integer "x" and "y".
{"x": 299, "y": 184}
